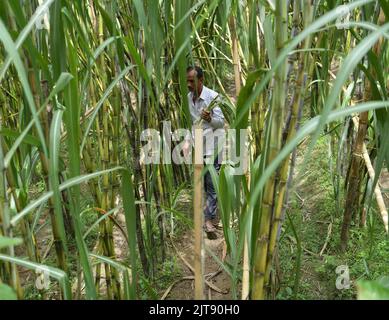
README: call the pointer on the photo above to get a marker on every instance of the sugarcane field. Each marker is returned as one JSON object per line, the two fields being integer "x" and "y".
{"x": 220, "y": 150}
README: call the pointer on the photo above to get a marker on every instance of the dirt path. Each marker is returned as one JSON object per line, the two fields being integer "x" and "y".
{"x": 217, "y": 280}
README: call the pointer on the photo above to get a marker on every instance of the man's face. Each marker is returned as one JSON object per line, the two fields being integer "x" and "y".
{"x": 194, "y": 84}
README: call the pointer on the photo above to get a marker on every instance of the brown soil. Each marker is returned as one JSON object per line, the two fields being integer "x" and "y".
{"x": 183, "y": 288}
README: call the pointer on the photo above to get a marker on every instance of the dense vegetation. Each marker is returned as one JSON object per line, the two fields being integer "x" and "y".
{"x": 82, "y": 79}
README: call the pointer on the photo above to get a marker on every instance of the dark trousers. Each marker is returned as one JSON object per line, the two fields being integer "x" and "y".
{"x": 210, "y": 194}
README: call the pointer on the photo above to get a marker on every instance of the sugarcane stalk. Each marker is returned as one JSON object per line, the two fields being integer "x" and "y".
{"x": 235, "y": 54}
{"x": 378, "y": 194}
{"x": 158, "y": 195}
{"x": 237, "y": 80}
{"x": 259, "y": 109}
{"x": 57, "y": 224}
{"x": 300, "y": 87}
{"x": 8, "y": 272}
{"x": 198, "y": 213}
{"x": 114, "y": 137}
{"x": 28, "y": 236}
{"x": 377, "y": 190}
{"x": 277, "y": 117}
{"x": 138, "y": 178}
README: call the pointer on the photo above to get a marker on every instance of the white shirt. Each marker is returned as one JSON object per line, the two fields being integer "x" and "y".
{"x": 209, "y": 128}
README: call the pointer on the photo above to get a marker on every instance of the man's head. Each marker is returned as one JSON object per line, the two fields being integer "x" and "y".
{"x": 194, "y": 79}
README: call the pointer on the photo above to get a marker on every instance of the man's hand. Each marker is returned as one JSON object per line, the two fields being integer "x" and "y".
{"x": 206, "y": 115}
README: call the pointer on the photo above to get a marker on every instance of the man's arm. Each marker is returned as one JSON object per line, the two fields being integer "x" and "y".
{"x": 217, "y": 118}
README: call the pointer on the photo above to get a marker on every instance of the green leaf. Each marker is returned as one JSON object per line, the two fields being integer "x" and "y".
{"x": 63, "y": 186}
{"x": 374, "y": 290}
{"x": 307, "y": 129}
{"x": 28, "y": 139}
{"x": 127, "y": 287}
{"x": 348, "y": 66}
{"x": 269, "y": 40}
{"x": 313, "y": 28}
{"x": 11, "y": 48}
{"x": 61, "y": 84}
{"x": 105, "y": 96}
{"x": 55, "y": 135}
{"x": 127, "y": 191}
{"x": 6, "y": 242}
{"x": 7, "y": 293}
{"x": 56, "y": 273}
{"x": 242, "y": 113}
{"x": 25, "y": 32}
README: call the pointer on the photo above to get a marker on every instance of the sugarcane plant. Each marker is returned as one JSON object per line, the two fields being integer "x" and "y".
{"x": 82, "y": 82}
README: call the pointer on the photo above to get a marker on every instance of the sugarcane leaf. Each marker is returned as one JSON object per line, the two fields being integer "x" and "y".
{"x": 7, "y": 242}
{"x": 141, "y": 13}
{"x": 142, "y": 68}
{"x": 292, "y": 44}
{"x": 180, "y": 50}
{"x": 55, "y": 136}
{"x": 61, "y": 83}
{"x": 63, "y": 186}
{"x": 56, "y": 273}
{"x": 128, "y": 199}
{"x": 101, "y": 218}
{"x": 269, "y": 40}
{"x": 11, "y": 48}
{"x": 28, "y": 138}
{"x": 100, "y": 49}
{"x": 106, "y": 18}
{"x": 253, "y": 35}
{"x": 373, "y": 290}
{"x": 245, "y": 92}
{"x": 348, "y": 66}
{"x": 71, "y": 120}
{"x": 24, "y": 34}
{"x": 304, "y": 131}
{"x": 56, "y": 39}
{"x": 74, "y": 21}
{"x": 122, "y": 268}
{"x": 104, "y": 97}
{"x": 7, "y": 293}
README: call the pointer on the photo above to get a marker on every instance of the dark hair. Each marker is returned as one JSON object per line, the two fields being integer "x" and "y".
{"x": 199, "y": 71}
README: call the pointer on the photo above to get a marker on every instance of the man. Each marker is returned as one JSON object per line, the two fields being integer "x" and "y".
{"x": 199, "y": 98}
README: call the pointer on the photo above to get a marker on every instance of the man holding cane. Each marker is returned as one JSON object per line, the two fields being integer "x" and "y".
{"x": 200, "y": 98}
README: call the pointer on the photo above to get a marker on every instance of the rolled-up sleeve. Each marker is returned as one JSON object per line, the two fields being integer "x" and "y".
{"x": 217, "y": 118}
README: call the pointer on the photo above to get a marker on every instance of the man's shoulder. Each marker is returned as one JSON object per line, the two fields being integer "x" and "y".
{"x": 210, "y": 93}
